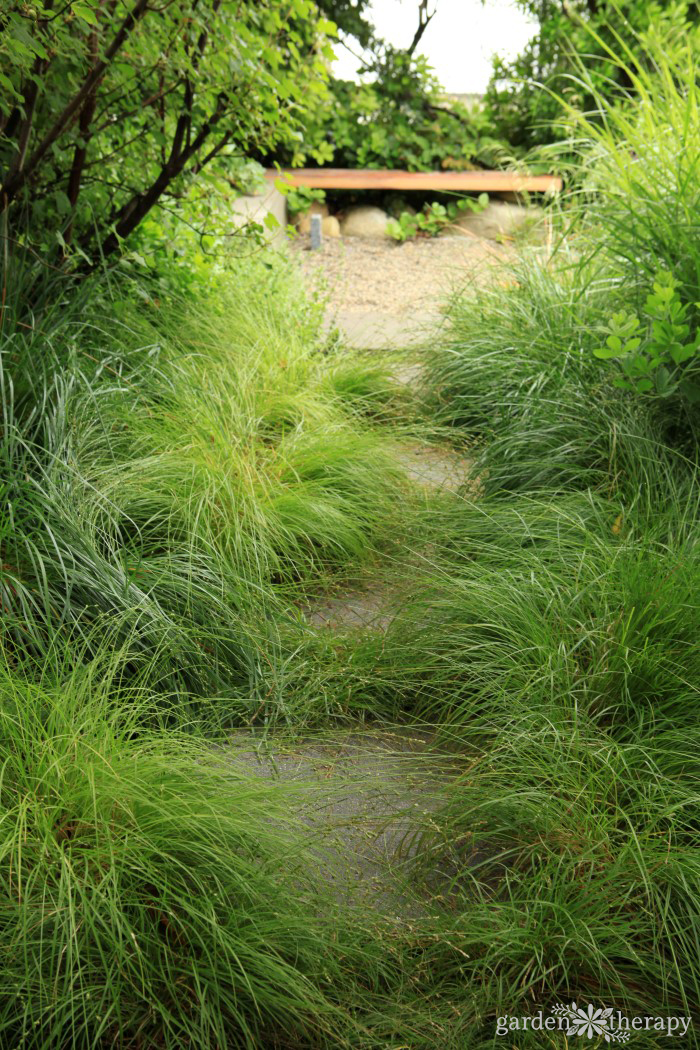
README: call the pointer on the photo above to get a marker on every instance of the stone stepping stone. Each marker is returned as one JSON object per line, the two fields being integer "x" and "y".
{"x": 376, "y": 330}
{"x": 366, "y": 797}
{"x": 372, "y": 604}
{"x": 436, "y": 467}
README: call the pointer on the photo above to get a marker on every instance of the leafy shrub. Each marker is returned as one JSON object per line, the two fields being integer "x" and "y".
{"x": 640, "y": 199}
{"x": 154, "y": 132}
{"x": 434, "y": 218}
{"x": 397, "y": 119}
{"x": 300, "y": 198}
{"x": 651, "y": 360}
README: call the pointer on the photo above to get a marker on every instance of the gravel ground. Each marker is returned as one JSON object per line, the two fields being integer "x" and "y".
{"x": 396, "y": 279}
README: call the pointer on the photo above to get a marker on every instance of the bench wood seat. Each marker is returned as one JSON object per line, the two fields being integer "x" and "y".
{"x": 442, "y": 181}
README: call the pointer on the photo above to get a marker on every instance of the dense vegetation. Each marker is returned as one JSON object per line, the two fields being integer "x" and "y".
{"x": 188, "y": 456}
{"x": 527, "y": 98}
{"x": 108, "y": 112}
{"x": 399, "y": 116}
{"x": 565, "y": 646}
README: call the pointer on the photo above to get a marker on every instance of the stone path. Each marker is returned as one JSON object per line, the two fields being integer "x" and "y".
{"x": 366, "y": 796}
{"x": 372, "y": 604}
{"x": 377, "y": 330}
{"x": 437, "y": 468}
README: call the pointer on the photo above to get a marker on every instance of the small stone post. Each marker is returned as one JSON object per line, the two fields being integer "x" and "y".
{"x": 316, "y": 238}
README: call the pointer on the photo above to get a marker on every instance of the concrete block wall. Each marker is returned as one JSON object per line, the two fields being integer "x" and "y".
{"x": 255, "y": 207}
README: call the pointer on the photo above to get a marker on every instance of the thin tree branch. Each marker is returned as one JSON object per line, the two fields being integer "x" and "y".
{"x": 424, "y": 19}
{"x": 29, "y": 95}
{"x": 127, "y": 114}
{"x": 131, "y": 214}
{"x": 223, "y": 141}
{"x": 86, "y": 115}
{"x": 15, "y": 181}
{"x": 450, "y": 113}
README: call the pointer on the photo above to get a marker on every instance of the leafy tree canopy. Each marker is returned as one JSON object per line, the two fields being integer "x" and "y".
{"x": 397, "y": 117}
{"x": 351, "y": 18}
{"x": 108, "y": 107}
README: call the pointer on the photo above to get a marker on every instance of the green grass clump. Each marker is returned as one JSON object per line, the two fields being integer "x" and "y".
{"x": 153, "y": 893}
{"x": 555, "y": 635}
{"x": 554, "y": 640}
{"x": 576, "y": 868}
{"x": 531, "y": 601}
{"x": 238, "y": 445}
{"x": 639, "y": 165}
{"x": 516, "y": 371}
{"x": 518, "y": 365}
{"x": 191, "y": 470}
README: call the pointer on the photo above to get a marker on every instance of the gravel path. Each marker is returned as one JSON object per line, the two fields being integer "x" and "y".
{"x": 396, "y": 279}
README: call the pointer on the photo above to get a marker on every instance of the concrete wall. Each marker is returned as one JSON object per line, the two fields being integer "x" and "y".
{"x": 255, "y": 207}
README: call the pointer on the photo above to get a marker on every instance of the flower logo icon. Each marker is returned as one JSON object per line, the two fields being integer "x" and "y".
{"x": 589, "y": 1022}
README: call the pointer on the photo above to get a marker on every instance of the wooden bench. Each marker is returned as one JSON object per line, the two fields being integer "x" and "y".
{"x": 442, "y": 181}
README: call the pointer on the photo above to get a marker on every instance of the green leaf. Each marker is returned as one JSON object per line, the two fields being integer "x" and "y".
{"x": 690, "y": 391}
{"x": 86, "y": 13}
{"x": 664, "y": 384}
{"x": 62, "y": 202}
{"x": 7, "y": 84}
{"x": 682, "y": 353}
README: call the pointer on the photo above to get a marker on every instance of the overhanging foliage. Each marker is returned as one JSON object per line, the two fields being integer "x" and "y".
{"x": 108, "y": 105}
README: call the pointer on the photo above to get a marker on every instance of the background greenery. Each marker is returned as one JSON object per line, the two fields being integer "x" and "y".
{"x": 188, "y": 456}
{"x": 527, "y": 99}
{"x": 108, "y": 111}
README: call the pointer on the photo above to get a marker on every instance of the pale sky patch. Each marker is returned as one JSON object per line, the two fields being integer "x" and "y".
{"x": 459, "y": 42}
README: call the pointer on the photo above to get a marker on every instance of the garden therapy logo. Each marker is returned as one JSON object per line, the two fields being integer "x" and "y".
{"x": 593, "y": 1022}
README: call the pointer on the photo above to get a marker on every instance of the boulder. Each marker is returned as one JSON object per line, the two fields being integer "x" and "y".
{"x": 498, "y": 219}
{"x": 303, "y": 219}
{"x": 330, "y": 227}
{"x": 365, "y": 221}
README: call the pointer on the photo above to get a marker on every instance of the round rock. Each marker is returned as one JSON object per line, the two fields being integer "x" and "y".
{"x": 365, "y": 221}
{"x": 303, "y": 220}
{"x": 330, "y": 227}
{"x": 498, "y": 219}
